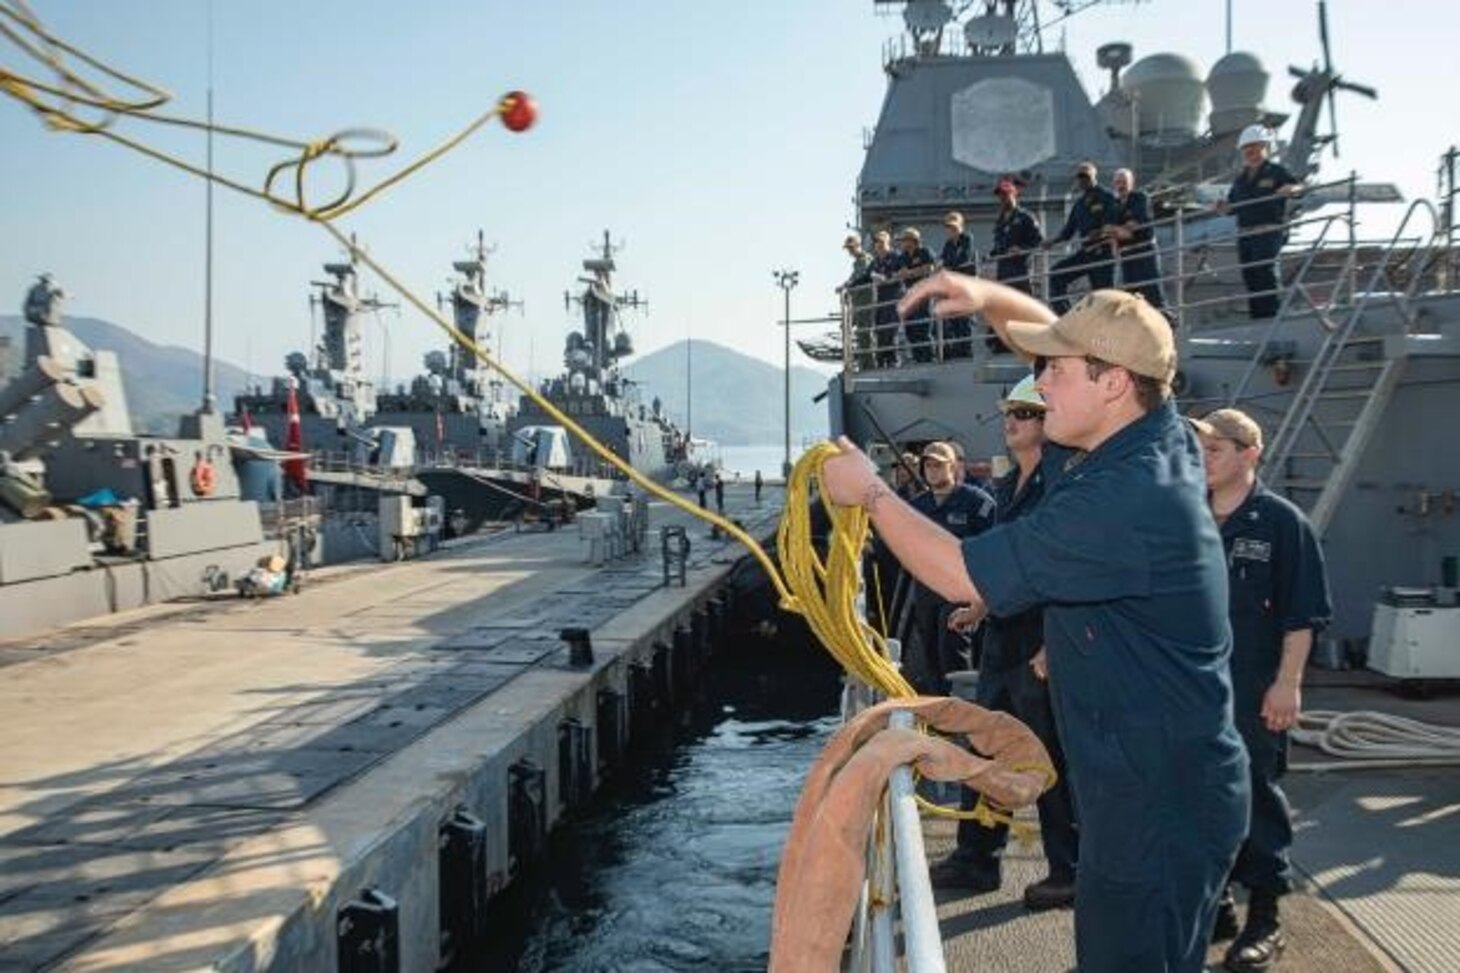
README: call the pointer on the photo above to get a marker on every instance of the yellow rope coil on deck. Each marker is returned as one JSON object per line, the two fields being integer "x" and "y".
{"x": 822, "y": 589}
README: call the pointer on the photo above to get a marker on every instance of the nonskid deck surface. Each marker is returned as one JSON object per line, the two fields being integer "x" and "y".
{"x": 135, "y": 753}
{"x": 1377, "y": 852}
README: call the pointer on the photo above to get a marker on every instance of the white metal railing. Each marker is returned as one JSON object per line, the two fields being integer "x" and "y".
{"x": 897, "y": 866}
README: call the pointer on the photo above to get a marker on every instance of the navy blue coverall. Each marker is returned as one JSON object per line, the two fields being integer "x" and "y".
{"x": 959, "y": 256}
{"x": 967, "y": 511}
{"x": 887, "y": 293}
{"x": 1140, "y": 269}
{"x": 1007, "y": 684}
{"x": 1015, "y": 229}
{"x": 1261, "y": 216}
{"x": 1126, "y": 559}
{"x": 1093, "y": 211}
{"x": 919, "y": 326}
{"x": 1278, "y": 585}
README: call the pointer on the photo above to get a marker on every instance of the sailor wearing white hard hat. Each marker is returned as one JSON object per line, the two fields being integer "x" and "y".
{"x": 1258, "y": 198}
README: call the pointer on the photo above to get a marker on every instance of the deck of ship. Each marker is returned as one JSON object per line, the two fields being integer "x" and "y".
{"x": 1377, "y": 853}
{"x": 205, "y": 785}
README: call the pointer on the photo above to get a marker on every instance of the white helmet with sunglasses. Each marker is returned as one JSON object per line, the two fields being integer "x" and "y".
{"x": 1022, "y": 396}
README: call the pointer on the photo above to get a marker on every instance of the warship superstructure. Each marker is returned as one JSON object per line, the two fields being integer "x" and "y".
{"x": 457, "y": 407}
{"x": 95, "y": 519}
{"x": 541, "y": 460}
{"x": 1364, "y": 349}
{"x": 335, "y": 399}
{"x": 453, "y": 411}
{"x": 593, "y": 390}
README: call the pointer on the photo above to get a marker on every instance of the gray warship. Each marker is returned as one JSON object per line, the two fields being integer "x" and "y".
{"x": 95, "y": 519}
{"x": 1366, "y": 341}
{"x": 451, "y": 410}
{"x": 542, "y": 463}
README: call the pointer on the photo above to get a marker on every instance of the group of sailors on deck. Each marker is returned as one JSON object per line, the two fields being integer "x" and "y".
{"x": 1112, "y": 229}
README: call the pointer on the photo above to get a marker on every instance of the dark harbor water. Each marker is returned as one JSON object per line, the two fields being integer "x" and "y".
{"x": 673, "y": 866}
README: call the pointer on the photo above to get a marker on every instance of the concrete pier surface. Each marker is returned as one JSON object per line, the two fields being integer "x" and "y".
{"x": 206, "y": 786}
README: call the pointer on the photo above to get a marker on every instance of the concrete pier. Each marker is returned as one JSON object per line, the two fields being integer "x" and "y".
{"x": 210, "y": 786}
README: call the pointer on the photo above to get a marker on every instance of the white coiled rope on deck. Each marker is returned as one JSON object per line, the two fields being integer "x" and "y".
{"x": 1365, "y": 739}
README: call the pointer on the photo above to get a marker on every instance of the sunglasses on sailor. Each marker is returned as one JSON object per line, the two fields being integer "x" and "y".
{"x": 1025, "y": 413}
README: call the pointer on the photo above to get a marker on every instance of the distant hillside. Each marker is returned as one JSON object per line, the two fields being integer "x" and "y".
{"x": 738, "y": 400}
{"x": 162, "y": 381}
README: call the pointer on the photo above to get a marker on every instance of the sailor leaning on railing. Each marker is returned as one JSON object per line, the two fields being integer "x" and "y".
{"x": 1124, "y": 556}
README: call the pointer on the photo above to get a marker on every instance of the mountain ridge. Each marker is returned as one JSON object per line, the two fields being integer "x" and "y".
{"x": 738, "y": 399}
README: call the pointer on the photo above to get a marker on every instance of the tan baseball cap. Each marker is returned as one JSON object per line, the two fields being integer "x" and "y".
{"x": 911, "y": 233}
{"x": 940, "y": 451}
{"x": 1110, "y": 325}
{"x": 1233, "y": 424}
{"x": 953, "y": 218}
{"x": 852, "y": 240}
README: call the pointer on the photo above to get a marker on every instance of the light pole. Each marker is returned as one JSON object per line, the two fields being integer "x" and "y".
{"x": 786, "y": 280}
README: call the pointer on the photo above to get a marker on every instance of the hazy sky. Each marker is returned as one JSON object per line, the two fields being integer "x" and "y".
{"x": 717, "y": 140}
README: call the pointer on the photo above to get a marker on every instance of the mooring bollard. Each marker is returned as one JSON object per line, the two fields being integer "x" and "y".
{"x": 674, "y": 545}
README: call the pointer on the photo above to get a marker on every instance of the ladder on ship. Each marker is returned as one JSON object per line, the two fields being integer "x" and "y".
{"x": 1345, "y": 389}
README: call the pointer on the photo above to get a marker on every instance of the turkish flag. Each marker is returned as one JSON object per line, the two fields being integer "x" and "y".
{"x": 294, "y": 469}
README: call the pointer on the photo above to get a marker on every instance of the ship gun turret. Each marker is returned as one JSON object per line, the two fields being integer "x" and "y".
{"x": 51, "y": 395}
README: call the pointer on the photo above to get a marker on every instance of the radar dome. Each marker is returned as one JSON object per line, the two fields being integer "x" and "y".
{"x": 1238, "y": 85}
{"x": 1169, "y": 94}
{"x": 926, "y": 16}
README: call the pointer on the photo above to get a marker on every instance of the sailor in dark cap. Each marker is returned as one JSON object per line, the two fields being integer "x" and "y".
{"x": 1016, "y": 235}
{"x": 1279, "y": 600}
{"x": 964, "y": 511}
{"x": 1094, "y": 210}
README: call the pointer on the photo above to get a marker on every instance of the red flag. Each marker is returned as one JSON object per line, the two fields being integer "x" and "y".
{"x": 294, "y": 469}
{"x": 247, "y": 422}
{"x": 440, "y": 431}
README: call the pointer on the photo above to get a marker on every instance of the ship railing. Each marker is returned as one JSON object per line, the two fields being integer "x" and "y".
{"x": 902, "y": 48}
{"x": 1339, "y": 333}
{"x": 897, "y": 866}
{"x": 345, "y": 461}
{"x": 1198, "y": 278}
{"x": 281, "y": 516}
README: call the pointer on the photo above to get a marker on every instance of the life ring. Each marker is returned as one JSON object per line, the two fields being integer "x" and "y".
{"x": 204, "y": 478}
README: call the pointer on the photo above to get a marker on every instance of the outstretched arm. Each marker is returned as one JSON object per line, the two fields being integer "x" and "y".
{"x": 961, "y": 296}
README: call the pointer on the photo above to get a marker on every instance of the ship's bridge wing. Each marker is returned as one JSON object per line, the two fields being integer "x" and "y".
{"x": 951, "y": 126}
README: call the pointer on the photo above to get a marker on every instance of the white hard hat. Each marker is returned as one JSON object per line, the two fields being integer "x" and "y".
{"x": 1253, "y": 135}
{"x": 1023, "y": 393}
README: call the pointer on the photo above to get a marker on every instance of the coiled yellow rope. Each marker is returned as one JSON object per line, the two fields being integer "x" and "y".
{"x": 822, "y": 589}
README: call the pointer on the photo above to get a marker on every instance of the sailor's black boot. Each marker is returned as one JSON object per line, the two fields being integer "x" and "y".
{"x": 1261, "y": 942}
{"x": 1054, "y": 892}
{"x": 1225, "y": 926}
